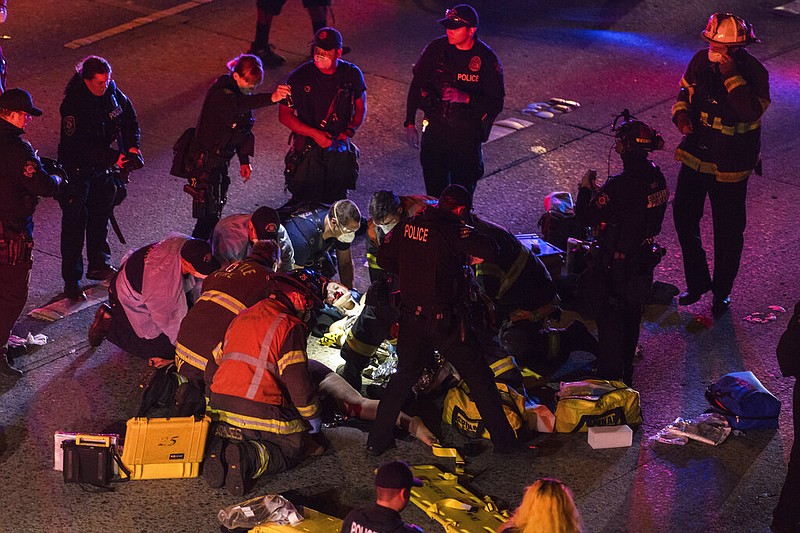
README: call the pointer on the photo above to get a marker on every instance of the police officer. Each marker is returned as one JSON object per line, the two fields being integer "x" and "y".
{"x": 94, "y": 115}
{"x": 458, "y": 84}
{"x": 224, "y": 129}
{"x": 429, "y": 253}
{"x": 724, "y": 92}
{"x": 22, "y": 181}
{"x": 374, "y": 322}
{"x": 393, "y": 482}
{"x": 626, "y": 213}
{"x": 266, "y": 11}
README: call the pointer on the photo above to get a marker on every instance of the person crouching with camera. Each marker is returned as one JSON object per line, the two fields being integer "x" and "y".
{"x": 626, "y": 214}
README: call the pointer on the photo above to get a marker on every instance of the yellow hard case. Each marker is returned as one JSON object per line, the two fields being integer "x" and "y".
{"x": 165, "y": 448}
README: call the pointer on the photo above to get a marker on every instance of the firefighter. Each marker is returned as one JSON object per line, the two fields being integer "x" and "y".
{"x": 226, "y": 293}
{"x": 262, "y": 400}
{"x": 724, "y": 92}
{"x": 22, "y": 181}
{"x": 458, "y": 84}
{"x": 372, "y": 326}
{"x": 429, "y": 254}
{"x": 524, "y": 297}
{"x": 626, "y": 212}
{"x": 235, "y": 235}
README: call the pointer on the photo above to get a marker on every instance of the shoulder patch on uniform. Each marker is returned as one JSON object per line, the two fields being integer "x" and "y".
{"x": 464, "y": 232}
{"x": 307, "y": 88}
{"x": 69, "y": 125}
{"x": 30, "y": 168}
{"x": 475, "y": 63}
{"x": 602, "y": 200}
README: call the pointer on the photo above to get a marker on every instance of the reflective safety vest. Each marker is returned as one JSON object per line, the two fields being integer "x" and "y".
{"x": 263, "y": 382}
{"x": 226, "y": 293}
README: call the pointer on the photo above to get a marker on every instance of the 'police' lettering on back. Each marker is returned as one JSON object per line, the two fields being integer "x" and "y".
{"x": 415, "y": 233}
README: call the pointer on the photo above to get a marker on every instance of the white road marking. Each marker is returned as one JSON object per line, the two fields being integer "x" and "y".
{"x": 141, "y": 21}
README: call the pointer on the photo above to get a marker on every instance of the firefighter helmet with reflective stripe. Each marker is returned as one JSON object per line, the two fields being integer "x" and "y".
{"x": 636, "y": 135}
{"x": 728, "y": 29}
{"x": 303, "y": 289}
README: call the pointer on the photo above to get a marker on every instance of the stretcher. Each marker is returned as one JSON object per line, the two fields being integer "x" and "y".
{"x": 452, "y": 505}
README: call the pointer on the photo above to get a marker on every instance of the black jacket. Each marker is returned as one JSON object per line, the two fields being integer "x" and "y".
{"x": 90, "y": 124}
{"x": 377, "y": 519}
{"x": 22, "y": 180}
{"x": 226, "y": 121}
{"x": 430, "y": 252}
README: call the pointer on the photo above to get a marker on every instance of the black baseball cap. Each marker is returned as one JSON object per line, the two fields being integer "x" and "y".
{"x": 460, "y": 16}
{"x": 328, "y": 39}
{"x": 198, "y": 253}
{"x": 455, "y": 196}
{"x": 266, "y": 221}
{"x": 19, "y": 100}
{"x": 396, "y": 475}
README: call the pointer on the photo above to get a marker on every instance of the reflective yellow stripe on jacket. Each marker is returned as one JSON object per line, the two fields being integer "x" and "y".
{"x": 223, "y": 299}
{"x": 503, "y": 365}
{"x": 281, "y": 427}
{"x": 188, "y": 356}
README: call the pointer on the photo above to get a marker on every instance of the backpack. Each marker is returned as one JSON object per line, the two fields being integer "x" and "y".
{"x": 744, "y": 401}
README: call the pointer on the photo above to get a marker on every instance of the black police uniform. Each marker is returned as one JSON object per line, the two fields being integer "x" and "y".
{"x": 224, "y": 129}
{"x": 22, "y": 181}
{"x": 627, "y": 213}
{"x": 377, "y": 519}
{"x": 89, "y": 126}
{"x": 324, "y": 175}
{"x": 429, "y": 253}
{"x": 451, "y": 143}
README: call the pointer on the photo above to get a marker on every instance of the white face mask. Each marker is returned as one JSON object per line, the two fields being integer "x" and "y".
{"x": 714, "y": 57}
{"x": 386, "y": 228}
{"x": 3, "y": 14}
{"x": 346, "y": 238}
{"x": 323, "y": 62}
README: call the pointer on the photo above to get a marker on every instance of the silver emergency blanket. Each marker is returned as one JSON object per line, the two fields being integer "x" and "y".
{"x": 271, "y": 508}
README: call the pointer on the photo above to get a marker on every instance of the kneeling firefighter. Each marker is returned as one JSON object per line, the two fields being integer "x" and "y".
{"x": 262, "y": 399}
{"x": 626, "y": 214}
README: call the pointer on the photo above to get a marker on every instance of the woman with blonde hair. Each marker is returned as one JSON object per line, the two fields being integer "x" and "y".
{"x": 547, "y": 507}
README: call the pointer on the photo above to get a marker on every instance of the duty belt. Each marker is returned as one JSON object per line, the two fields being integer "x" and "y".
{"x": 15, "y": 246}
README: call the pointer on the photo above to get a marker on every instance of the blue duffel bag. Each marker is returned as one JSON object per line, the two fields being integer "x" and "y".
{"x": 744, "y": 401}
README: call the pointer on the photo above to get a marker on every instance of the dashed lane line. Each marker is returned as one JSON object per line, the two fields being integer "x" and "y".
{"x": 141, "y": 21}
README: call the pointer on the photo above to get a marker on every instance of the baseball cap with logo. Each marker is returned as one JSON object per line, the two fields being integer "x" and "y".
{"x": 266, "y": 221}
{"x": 328, "y": 39}
{"x": 396, "y": 475}
{"x": 462, "y": 15}
{"x": 19, "y": 100}
{"x": 198, "y": 253}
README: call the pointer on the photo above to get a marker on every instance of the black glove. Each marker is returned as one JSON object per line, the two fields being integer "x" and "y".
{"x": 54, "y": 168}
{"x": 132, "y": 161}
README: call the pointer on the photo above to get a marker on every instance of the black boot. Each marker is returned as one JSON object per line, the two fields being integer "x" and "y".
{"x": 100, "y": 325}
{"x": 351, "y": 374}
{"x": 8, "y": 374}
{"x": 244, "y": 461}
{"x": 214, "y": 467}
